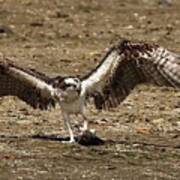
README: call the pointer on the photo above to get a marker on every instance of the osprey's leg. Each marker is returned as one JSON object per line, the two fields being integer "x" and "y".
{"x": 85, "y": 124}
{"x": 69, "y": 128}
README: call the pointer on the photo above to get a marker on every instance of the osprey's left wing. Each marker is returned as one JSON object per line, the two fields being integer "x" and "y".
{"x": 27, "y": 84}
{"x": 127, "y": 65}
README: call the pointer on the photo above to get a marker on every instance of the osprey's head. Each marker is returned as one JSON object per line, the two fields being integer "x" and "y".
{"x": 68, "y": 88}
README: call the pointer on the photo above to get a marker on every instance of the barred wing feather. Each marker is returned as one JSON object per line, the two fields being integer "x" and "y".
{"x": 29, "y": 85}
{"x": 128, "y": 64}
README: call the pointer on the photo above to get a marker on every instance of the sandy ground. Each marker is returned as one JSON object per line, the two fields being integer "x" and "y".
{"x": 70, "y": 37}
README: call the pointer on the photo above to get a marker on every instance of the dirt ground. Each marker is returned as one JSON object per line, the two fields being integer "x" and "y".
{"x": 70, "y": 37}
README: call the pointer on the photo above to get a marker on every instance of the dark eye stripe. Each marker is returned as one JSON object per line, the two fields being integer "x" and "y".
{"x": 76, "y": 80}
{"x": 66, "y": 86}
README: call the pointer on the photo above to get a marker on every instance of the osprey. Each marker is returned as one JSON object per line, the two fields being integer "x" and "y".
{"x": 123, "y": 67}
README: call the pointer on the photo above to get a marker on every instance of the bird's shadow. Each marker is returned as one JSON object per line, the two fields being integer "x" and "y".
{"x": 86, "y": 139}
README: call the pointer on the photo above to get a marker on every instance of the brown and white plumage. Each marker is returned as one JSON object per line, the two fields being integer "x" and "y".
{"x": 128, "y": 64}
{"x": 123, "y": 67}
{"x": 27, "y": 84}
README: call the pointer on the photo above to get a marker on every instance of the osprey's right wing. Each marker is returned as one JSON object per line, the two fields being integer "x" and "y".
{"x": 125, "y": 66}
{"x": 27, "y": 84}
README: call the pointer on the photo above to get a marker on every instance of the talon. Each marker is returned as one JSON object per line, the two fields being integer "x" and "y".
{"x": 71, "y": 141}
{"x": 93, "y": 131}
{"x": 82, "y": 129}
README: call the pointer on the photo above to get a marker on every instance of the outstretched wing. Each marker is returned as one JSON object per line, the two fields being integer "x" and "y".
{"x": 29, "y": 85}
{"x": 125, "y": 66}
